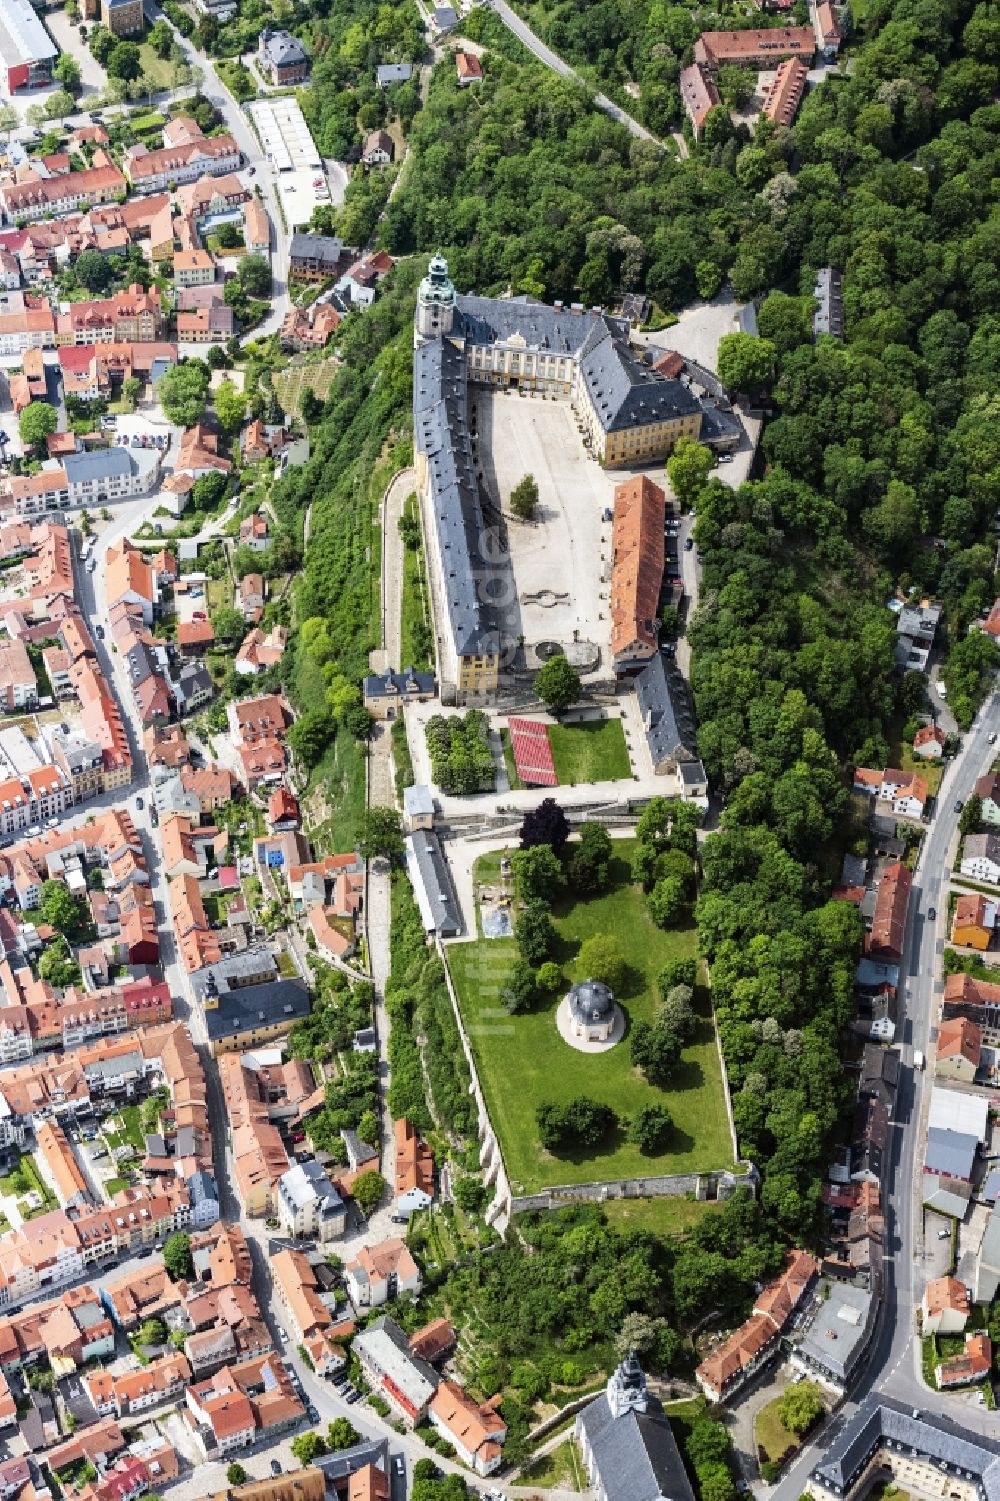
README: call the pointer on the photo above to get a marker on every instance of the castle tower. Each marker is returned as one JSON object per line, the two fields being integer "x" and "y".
{"x": 627, "y": 1388}
{"x": 435, "y": 313}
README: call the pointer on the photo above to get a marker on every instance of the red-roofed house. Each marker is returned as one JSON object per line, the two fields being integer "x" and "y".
{"x": 959, "y": 1046}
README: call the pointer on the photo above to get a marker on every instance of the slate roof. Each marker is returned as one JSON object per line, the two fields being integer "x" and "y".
{"x": 666, "y": 712}
{"x": 635, "y": 1454}
{"x": 282, "y": 49}
{"x": 829, "y": 315}
{"x": 432, "y": 883}
{"x": 252, "y": 1006}
{"x": 98, "y": 464}
{"x": 950, "y": 1153}
{"x": 440, "y": 418}
{"x": 316, "y": 247}
{"x": 849, "y": 1449}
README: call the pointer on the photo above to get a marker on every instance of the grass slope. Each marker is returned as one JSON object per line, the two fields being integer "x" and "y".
{"x": 523, "y": 1061}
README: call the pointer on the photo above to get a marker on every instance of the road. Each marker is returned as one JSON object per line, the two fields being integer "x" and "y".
{"x": 242, "y": 132}
{"x": 552, "y": 60}
{"x": 893, "y": 1366}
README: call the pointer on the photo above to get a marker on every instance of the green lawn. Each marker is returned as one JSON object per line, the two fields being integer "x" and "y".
{"x": 666, "y": 1216}
{"x": 771, "y": 1434}
{"x": 560, "y": 1469}
{"x": 593, "y": 752}
{"x": 522, "y": 1060}
{"x": 158, "y": 70}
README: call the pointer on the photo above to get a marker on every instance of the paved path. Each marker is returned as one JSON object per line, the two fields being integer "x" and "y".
{"x": 552, "y": 60}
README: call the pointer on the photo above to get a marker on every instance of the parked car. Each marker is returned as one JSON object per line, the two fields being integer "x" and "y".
{"x": 688, "y": 544}
{"x": 154, "y": 818}
{"x": 959, "y": 805}
{"x": 198, "y": 615}
{"x": 932, "y": 913}
{"x": 725, "y": 458}
{"x": 353, "y": 1397}
{"x": 275, "y": 1467}
{"x": 100, "y": 632}
{"x": 399, "y": 1465}
{"x": 139, "y": 804}
{"x": 312, "y": 1414}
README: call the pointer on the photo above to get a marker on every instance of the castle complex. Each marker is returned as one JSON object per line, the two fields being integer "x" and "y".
{"x": 629, "y": 415}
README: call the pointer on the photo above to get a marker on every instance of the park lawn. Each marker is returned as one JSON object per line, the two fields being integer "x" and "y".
{"x": 592, "y": 752}
{"x": 560, "y": 1469}
{"x": 158, "y": 70}
{"x": 663, "y": 1216}
{"x": 770, "y": 1433}
{"x": 522, "y": 1060}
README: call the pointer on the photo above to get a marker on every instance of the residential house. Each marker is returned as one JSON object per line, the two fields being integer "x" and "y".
{"x": 981, "y": 858}
{"x": 468, "y": 68}
{"x": 379, "y": 149}
{"x": 282, "y": 57}
{"x": 475, "y": 1431}
{"x": 252, "y": 591}
{"x": 414, "y": 1171}
{"x": 379, "y": 1274}
{"x": 959, "y": 1047}
{"x": 308, "y": 1203}
{"x": 987, "y": 789}
{"x": 739, "y": 1357}
{"x": 786, "y": 92}
{"x": 387, "y": 74}
{"x": 975, "y": 920}
{"x": 316, "y": 257}
{"x": 975, "y": 1363}
{"x": 916, "y": 627}
{"x": 945, "y": 1306}
{"x": 885, "y": 940}
{"x": 699, "y": 95}
{"x": 193, "y": 268}
{"x": 929, "y": 742}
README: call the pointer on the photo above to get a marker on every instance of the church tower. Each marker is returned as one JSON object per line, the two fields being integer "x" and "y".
{"x": 435, "y": 313}
{"x": 626, "y": 1388}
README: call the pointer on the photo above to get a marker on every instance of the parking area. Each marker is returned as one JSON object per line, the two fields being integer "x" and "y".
{"x": 66, "y": 35}
{"x": 301, "y": 177}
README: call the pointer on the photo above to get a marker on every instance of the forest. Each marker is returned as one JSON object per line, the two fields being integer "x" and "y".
{"x": 880, "y": 468}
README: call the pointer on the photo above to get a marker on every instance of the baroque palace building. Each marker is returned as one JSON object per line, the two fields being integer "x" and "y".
{"x": 629, "y": 414}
